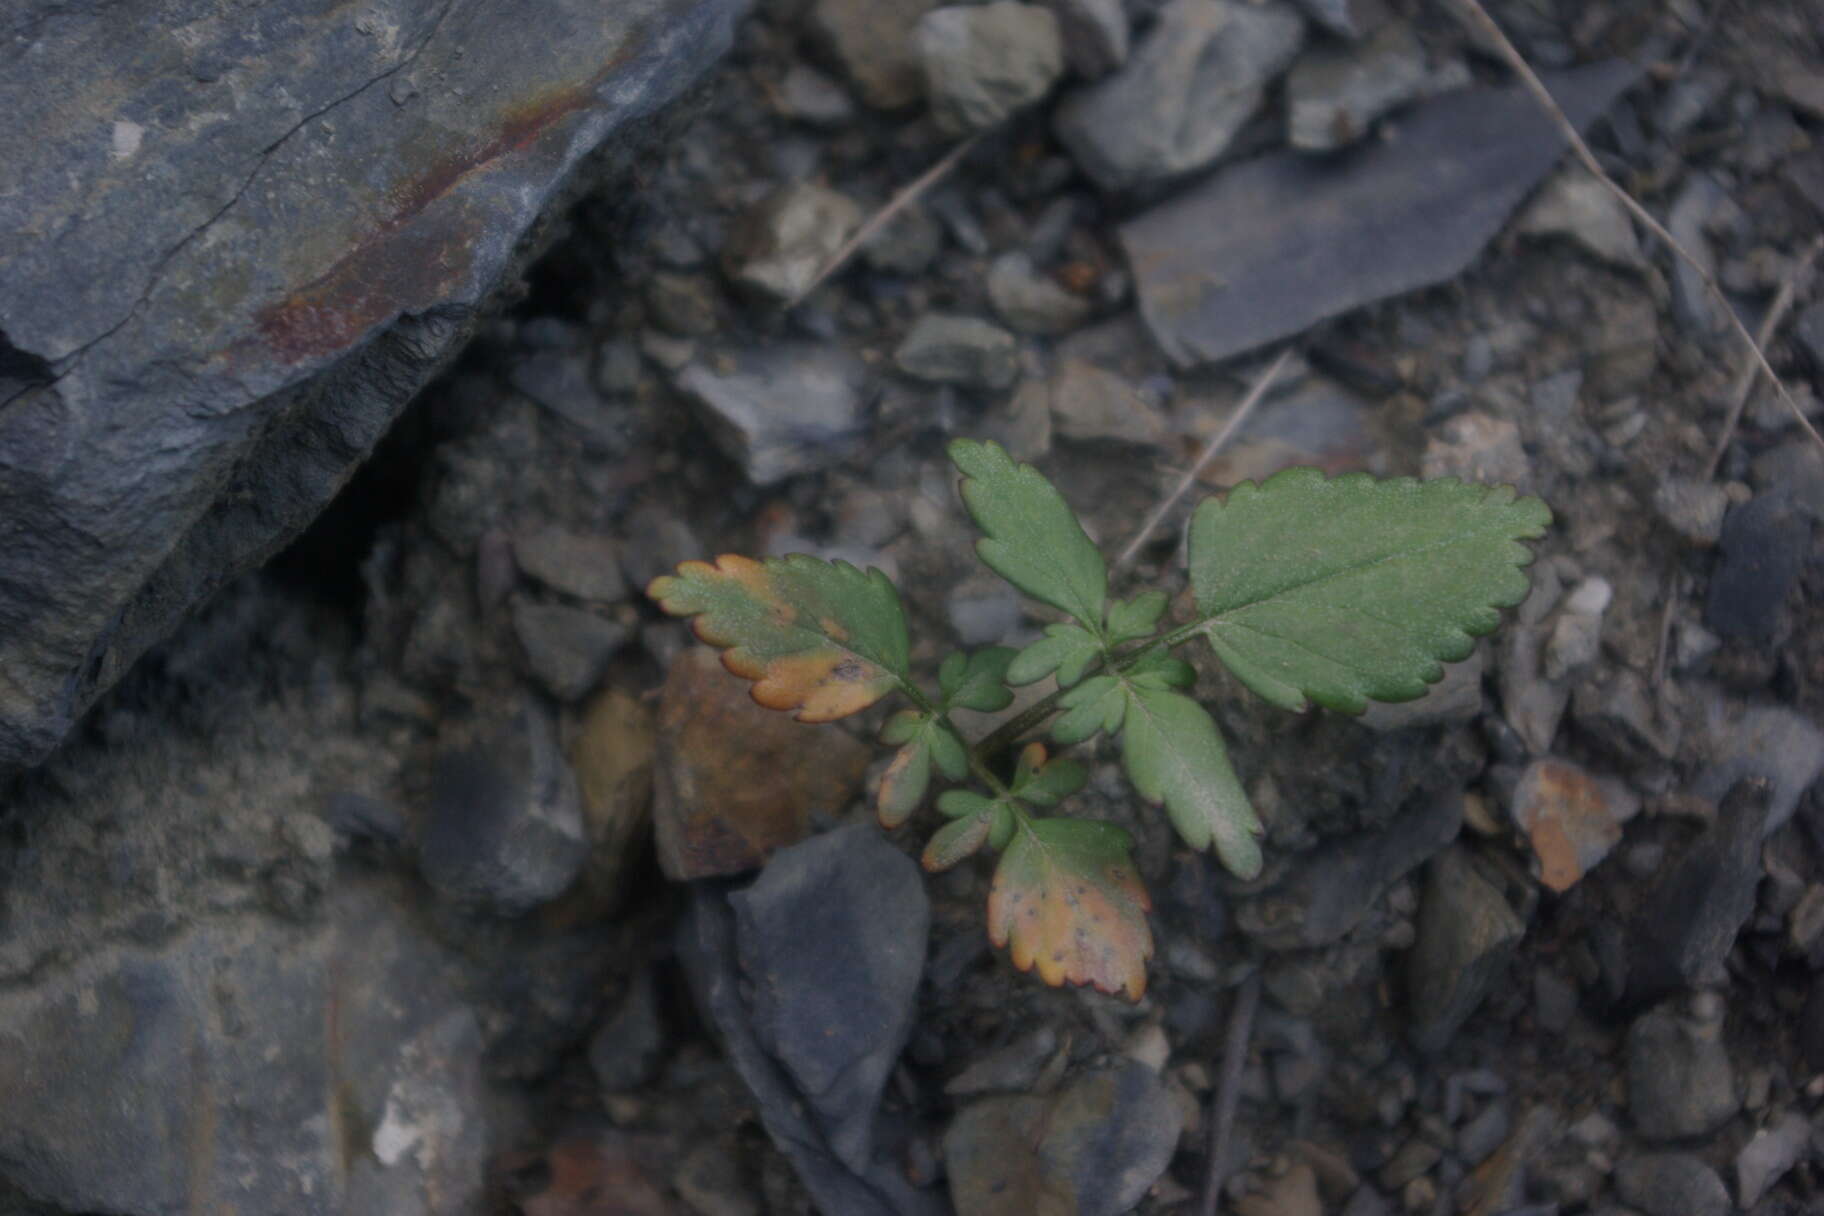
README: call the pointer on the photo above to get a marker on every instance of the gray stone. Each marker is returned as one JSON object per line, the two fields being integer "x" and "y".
{"x": 907, "y": 244}
{"x": 1095, "y": 35}
{"x": 1698, "y": 312}
{"x": 832, "y": 940}
{"x": 1266, "y": 248}
{"x": 1680, "y": 1081}
{"x": 210, "y": 1071}
{"x": 983, "y": 612}
{"x": 781, "y": 410}
{"x": 1030, "y": 302}
{"x": 1196, "y": 77}
{"x": 503, "y": 829}
{"x": 872, "y": 40}
{"x": 1686, "y": 924}
{"x": 654, "y": 542}
{"x": 1575, "y": 640}
{"x": 1795, "y": 469}
{"x": 1693, "y": 507}
{"x": 811, "y": 97}
{"x": 984, "y": 62}
{"x": 1346, "y": 18}
{"x": 235, "y": 251}
{"x": 1329, "y": 892}
{"x": 1467, "y": 935}
{"x": 1475, "y": 446}
{"x": 779, "y": 246}
{"x": 707, "y": 951}
{"x": 624, "y": 1053}
{"x": 1011, "y": 1069}
{"x": 1089, "y": 403}
{"x": 1671, "y": 1184}
{"x": 968, "y": 351}
{"x": 1576, "y": 205}
{"x": 582, "y": 564}
{"x": 1772, "y": 742}
{"x": 1094, "y": 1149}
{"x": 567, "y": 649}
{"x": 683, "y": 304}
{"x": 1765, "y": 1159}
{"x": 1334, "y": 93}
{"x": 1765, "y": 542}
{"x": 1454, "y": 700}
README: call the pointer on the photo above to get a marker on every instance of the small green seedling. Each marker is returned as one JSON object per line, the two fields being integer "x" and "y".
{"x": 1308, "y": 589}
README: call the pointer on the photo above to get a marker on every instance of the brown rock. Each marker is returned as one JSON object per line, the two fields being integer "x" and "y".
{"x": 735, "y": 781}
{"x": 1572, "y": 818}
{"x": 612, "y": 754}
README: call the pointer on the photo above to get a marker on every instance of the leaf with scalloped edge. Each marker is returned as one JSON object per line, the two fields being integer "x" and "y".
{"x": 1098, "y": 703}
{"x": 977, "y": 680}
{"x": 1341, "y": 590}
{"x": 1045, "y": 780}
{"x": 1032, "y": 537}
{"x": 1129, "y": 620}
{"x": 926, "y": 742}
{"x": 818, "y": 637}
{"x": 955, "y": 841}
{"x": 1174, "y": 755}
{"x": 1065, "y": 649}
{"x": 1068, "y": 901}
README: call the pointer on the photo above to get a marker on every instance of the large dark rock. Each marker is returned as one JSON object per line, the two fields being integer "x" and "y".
{"x": 237, "y": 239}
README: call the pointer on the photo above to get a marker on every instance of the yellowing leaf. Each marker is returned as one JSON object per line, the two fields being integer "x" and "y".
{"x": 1067, "y": 900}
{"x": 955, "y": 841}
{"x": 818, "y": 637}
{"x": 903, "y": 785}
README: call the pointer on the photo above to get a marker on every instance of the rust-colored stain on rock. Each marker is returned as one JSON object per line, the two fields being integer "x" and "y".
{"x": 405, "y": 260}
{"x": 1571, "y": 817}
{"x": 736, "y": 781}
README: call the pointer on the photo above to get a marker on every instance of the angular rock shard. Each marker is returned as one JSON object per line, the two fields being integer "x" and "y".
{"x": 1268, "y": 247}
{"x": 235, "y": 245}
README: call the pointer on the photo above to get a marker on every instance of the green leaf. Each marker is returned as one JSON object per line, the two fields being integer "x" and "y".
{"x": 904, "y": 726}
{"x": 1135, "y": 618}
{"x": 1065, "y": 649}
{"x": 978, "y": 681}
{"x": 1000, "y": 826}
{"x": 1033, "y": 538}
{"x": 955, "y": 841}
{"x": 818, "y": 637}
{"x": 1067, "y": 900}
{"x": 948, "y": 751}
{"x": 959, "y": 803}
{"x": 1348, "y": 589}
{"x": 1174, "y": 755}
{"x": 1096, "y": 704}
{"x": 1046, "y": 782}
{"x": 1162, "y": 671}
{"x": 903, "y": 785}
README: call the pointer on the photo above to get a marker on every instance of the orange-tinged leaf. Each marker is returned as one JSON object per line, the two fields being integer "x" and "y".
{"x": 1067, "y": 901}
{"x": 821, "y": 638}
{"x": 903, "y": 785}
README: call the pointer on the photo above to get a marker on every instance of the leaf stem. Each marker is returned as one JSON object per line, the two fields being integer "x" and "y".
{"x": 978, "y": 763}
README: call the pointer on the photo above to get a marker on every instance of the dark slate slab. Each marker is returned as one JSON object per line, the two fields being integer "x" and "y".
{"x": 234, "y": 240}
{"x": 1263, "y": 249}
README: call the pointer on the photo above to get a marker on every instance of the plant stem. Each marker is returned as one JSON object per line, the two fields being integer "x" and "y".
{"x": 978, "y": 763}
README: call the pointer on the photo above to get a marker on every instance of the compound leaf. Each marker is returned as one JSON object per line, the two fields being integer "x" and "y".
{"x": 1046, "y": 782}
{"x": 1135, "y": 618}
{"x": 948, "y": 751}
{"x": 904, "y": 726}
{"x": 1174, "y": 755}
{"x": 1033, "y": 539}
{"x": 955, "y": 841}
{"x": 959, "y": 804}
{"x": 903, "y": 785}
{"x": 1340, "y": 590}
{"x": 1096, "y": 704}
{"x": 977, "y": 681}
{"x": 1065, "y": 649}
{"x": 818, "y": 637}
{"x": 1067, "y": 900}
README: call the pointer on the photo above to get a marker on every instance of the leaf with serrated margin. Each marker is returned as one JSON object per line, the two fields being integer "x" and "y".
{"x": 818, "y": 637}
{"x": 1095, "y": 704}
{"x": 1045, "y": 781}
{"x": 1067, "y": 900}
{"x": 1065, "y": 649}
{"x": 1135, "y": 618}
{"x": 903, "y": 785}
{"x": 977, "y": 681}
{"x": 955, "y": 841}
{"x": 1033, "y": 539}
{"x": 1174, "y": 755}
{"x": 1341, "y": 590}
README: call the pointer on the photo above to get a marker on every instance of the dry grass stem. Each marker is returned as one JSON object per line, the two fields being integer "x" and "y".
{"x": 880, "y": 219}
{"x": 1228, "y": 1091}
{"x": 1477, "y": 17}
{"x": 1261, "y": 384}
{"x": 1751, "y": 370}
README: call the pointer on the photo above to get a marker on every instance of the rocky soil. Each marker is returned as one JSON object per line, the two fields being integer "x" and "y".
{"x": 429, "y": 869}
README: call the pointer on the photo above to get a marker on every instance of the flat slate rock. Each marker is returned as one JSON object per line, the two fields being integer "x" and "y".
{"x": 236, "y": 240}
{"x": 1264, "y": 249}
